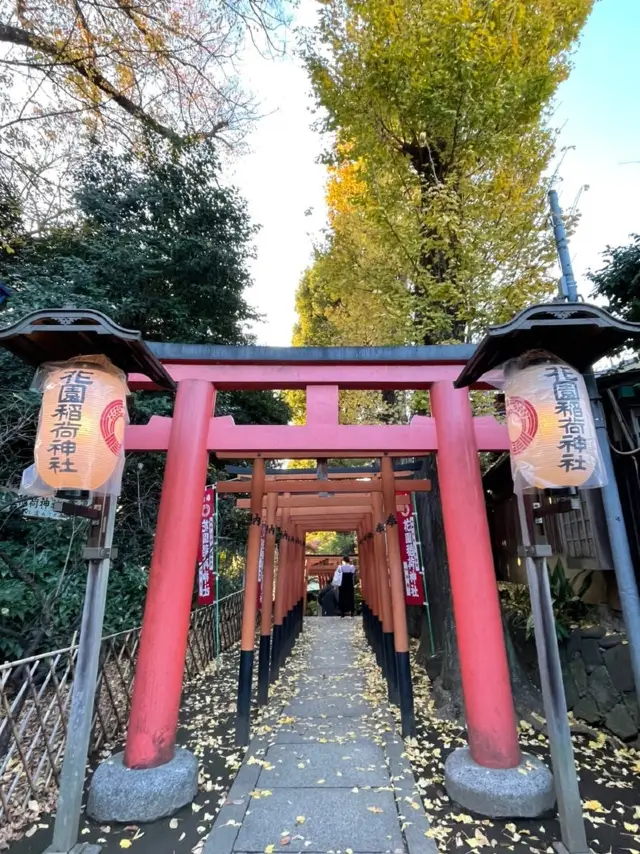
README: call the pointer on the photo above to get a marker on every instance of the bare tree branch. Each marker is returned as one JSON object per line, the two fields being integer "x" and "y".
{"x": 86, "y": 68}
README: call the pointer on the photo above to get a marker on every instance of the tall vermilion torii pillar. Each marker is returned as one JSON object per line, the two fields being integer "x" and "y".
{"x": 163, "y": 643}
{"x": 267, "y": 601}
{"x": 250, "y": 611}
{"x": 488, "y": 702}
{"x": 396, "y": 585}
{"x": 280, "y": 603}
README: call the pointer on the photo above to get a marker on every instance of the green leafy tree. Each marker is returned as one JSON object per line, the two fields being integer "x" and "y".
{"x": 10, "y": 220}
{"x": 441, "y": 109}
{"x": 156, "y": 237}
{"x": 159, "y": 245}
{"x": 439, "y": 113}
{"x": 619, "y": 280}
{"x": 331, "y": 543}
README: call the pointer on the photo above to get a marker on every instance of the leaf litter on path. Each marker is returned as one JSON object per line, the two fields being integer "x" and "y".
{"x": 609, "y": 782}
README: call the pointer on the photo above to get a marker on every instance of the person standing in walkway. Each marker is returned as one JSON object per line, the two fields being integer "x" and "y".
{"x": 344, "y": 580}
{"x": 328, "y": 601}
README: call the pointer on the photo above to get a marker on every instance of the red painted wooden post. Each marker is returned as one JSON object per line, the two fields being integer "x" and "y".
{"x": 398, "y": 608}
{"x": 163, "y": 644}
{"x": 250, "y": 607}
{"x": 384, "y": 597}
{"x": 364, "y": 568}
{"x": 300, "y": 586}
{"x": 267, "y": 601}
{"x": 280, "y": 600}
{"x": 372, "y": 625}
{"x": 491, "y": 724}
{"x": 303, "y": 578}
{"x": 373, "y": 597}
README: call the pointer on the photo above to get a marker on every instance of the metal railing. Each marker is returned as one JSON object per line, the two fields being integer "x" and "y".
{"x": 35, "y": 696}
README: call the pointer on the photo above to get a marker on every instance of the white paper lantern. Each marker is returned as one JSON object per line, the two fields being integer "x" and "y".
{"x": 83, "y": 415}
{"x": 551, "y": 430}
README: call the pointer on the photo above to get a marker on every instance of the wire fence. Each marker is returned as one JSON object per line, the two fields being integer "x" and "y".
{"x": 35, "y": 696}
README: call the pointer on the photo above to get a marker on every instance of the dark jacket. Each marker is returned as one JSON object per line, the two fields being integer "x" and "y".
{"x": 328, "y": 601}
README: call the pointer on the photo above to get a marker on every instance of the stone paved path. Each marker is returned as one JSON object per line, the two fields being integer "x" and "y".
{"x": 326, "y": 773}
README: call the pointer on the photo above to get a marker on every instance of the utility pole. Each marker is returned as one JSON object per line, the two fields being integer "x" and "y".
{"x": 622, "y": 563}
{"x": 568, "y": 286}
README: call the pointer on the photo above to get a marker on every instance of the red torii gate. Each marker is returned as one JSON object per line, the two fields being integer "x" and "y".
{"x": 451, "y": 431}
{"x": 321, "y": 567}
{"x": 352, "y": 503}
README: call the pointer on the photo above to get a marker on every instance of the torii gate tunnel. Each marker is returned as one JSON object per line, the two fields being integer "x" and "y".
{"x": 366, "y": 506}
{"x": 359, "y": 505}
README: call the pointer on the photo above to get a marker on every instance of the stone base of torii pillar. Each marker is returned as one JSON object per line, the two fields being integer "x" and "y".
{"x": 121, "y": 794}
{"x": 526, "y": 791}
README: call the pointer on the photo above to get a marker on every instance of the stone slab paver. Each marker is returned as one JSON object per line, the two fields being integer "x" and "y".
{"x": 333, "y": 680}
{"x": 328, "y": 772}
{"x": 330, "y": 707}
{"x": 335, "y": 819}
{"x": 342, "y": 730}
{"x": 360, "y": 764}
{"x": 329, "y": 688}
{"x": 330, "y": 662}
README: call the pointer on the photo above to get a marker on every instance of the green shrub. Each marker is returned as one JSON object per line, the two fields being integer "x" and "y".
{"x": 569, "y": 608}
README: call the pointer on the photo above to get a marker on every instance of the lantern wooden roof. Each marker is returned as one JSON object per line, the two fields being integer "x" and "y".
{"x": 57, "y": 334}
{"x": 578, "y": 333}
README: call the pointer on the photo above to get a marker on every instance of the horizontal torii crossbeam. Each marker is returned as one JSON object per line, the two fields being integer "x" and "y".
{"x": 307, "y": 502}
{"x": 315, "y": 485}
{"x": 402, "y": 469}
{"x": 323, "y": 433}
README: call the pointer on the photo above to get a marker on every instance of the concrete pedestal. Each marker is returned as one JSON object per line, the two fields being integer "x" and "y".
{"x": 526, "y": 791}
{"x": 121, "y": 794}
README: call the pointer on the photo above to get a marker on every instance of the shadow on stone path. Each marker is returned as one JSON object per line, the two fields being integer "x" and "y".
{"x": 327, "y": 772}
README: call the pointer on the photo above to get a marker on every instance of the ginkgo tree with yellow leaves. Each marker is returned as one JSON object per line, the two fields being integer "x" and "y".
{"x": 440, "y": 115}
{"x": 440, "y": 110}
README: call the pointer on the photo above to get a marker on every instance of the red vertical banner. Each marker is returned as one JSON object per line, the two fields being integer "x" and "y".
{"x": 206, "y": 552}
{"x": 413, "y": 586}
{"x": 263, "y": 543}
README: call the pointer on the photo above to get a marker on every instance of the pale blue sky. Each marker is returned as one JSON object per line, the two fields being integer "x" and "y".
{"x": 597, "y": 108}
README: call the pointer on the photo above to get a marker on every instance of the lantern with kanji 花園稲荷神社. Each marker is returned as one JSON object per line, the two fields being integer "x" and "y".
{"x": 83, "y": 415}
{"x": 552, "y": 433}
